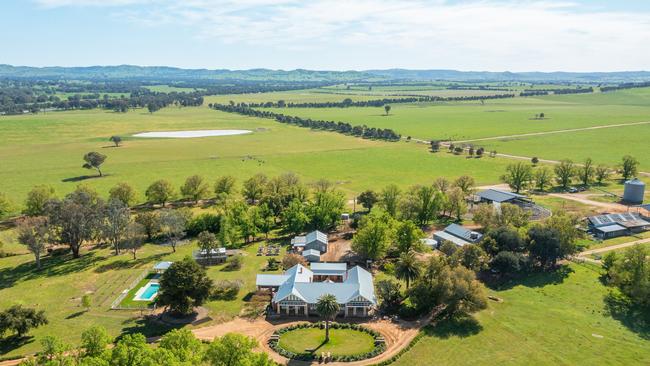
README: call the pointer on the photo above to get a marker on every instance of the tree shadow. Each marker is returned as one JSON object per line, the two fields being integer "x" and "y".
{"x": 148, "y": 328}
{"x": 51, "y": 266}
{"x": 81, "y": 178}
{"x": 536, "y": 278}
{"x": 76, "y": 315}
{"x": 13, "y": 342}
{"x": 455, "y": 326}
{"x": 634, "y": 317}
{"x": 128, "y": 263}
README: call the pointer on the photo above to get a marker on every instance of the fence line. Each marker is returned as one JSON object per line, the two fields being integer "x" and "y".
{"x": 115, "y": 305}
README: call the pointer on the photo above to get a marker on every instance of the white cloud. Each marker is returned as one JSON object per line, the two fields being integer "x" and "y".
{"x": 63, "y": 3}
{"x": 493, "y": 35}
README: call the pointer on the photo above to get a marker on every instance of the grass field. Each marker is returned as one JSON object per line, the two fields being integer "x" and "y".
{"x": 471, "y": 120}
{"x": 59, "y": 286}
{"x": 343, "y": 342}
{"x": 48, "y": 149}
{"x": 543, "y": 320}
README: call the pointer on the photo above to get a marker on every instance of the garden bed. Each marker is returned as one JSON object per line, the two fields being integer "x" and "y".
{"x": 348, "y": 342}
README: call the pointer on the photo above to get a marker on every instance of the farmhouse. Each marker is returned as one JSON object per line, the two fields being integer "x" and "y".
{"x": 613, "y": 225}
{"x": 297, "y": 290}
{"x": 458, "y": 235}
{"x": 315, "y": 240}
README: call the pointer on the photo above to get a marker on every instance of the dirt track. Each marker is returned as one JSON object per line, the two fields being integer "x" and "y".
{"x": 397, "y": 336}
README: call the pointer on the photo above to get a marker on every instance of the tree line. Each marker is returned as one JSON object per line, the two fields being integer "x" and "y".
{"x": 264, "y": 204}
{"x": 177, "y": 347}
{"x": 622, "y": 86}
{"x": 341, "y": 127}
{"x": 521, "y": 175}
{"x": 347, "y": 102}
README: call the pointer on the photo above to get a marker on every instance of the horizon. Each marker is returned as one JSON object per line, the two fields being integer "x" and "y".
{"x": 464, "y": 35}
{"x": 327, "y": 70}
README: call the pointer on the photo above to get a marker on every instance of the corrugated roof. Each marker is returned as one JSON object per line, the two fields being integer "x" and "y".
{"x": 299, "y": 241}
{"x": 611, "y": 228}
{"x": 463, "y": 233}
{"x": 624, "y": 219}
{"x": 310, "y": 252}
{"x": 270, "y": 280}
{"x": 358, "y": 283}
{"x": 444, "y": 236}
{"x": 316, "y": 236}
{"x": 496, "y": 195}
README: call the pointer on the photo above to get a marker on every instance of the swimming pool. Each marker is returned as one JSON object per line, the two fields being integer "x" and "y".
{"x": 147, "y": 292}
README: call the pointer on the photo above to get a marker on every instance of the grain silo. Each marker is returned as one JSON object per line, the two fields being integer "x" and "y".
{"x": 634, "y": 190}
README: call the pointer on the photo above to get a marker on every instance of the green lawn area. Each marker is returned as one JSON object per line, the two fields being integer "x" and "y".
{"x": 619, "y": 251}
{"x": 343, "y": 342}
{"x": 59, "y": 286}
{"x": 48, "y": 149}
{"x": 543, "y": 320}
{"x": 128, "y": 300}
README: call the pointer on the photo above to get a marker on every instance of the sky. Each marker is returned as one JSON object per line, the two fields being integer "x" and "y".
{"x": 479, "y": 35}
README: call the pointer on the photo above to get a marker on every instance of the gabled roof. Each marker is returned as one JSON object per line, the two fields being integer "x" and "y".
{"x": 309, "y": 252}
{"x": 316, "y": 236}
{"x": 445, "y": 236}
{"x": 463, "y": 233}
{"x": 329, "y": 268}
{"x": 496, "y": 195}
{"x": 358, "y": 283}
{"x": 363, "y": 278}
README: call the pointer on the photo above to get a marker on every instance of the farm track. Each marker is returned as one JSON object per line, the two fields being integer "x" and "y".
{"x": 532, "y": 134}
{"x": 506, "y": 137}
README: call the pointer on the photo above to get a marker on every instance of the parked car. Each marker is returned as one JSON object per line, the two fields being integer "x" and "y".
{"x": 572, "y": 190}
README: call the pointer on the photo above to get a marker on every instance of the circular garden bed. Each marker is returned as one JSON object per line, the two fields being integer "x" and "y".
{"x": 348, "y": 342}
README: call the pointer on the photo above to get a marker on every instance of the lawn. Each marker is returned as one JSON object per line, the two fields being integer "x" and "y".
{"x": 59, "y": 286}
{"x": 343, "y": 342}
{"x": 128, "y": 300}
{"x": 48, "y": 149}
{"x": 543, "y": 320}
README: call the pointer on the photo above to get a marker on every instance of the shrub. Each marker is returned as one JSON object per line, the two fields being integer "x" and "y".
{"x": 203, "y": 222}
{"x": 233, "y": 263}
{"x": 225, "y": 290}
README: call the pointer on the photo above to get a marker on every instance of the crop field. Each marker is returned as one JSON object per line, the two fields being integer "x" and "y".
{"x": 552, "y": 320}
{"x": 48, "y": 149}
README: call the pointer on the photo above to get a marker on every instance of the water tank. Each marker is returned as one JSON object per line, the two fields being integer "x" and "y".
{"x": 634, "y": 190}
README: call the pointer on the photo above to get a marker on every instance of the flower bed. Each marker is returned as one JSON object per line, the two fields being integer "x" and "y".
{"x": 378, "y": 345}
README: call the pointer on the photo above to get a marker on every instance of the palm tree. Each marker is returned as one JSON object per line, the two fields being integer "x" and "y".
{"x": 407, "y": 268}
{"x": 327, "y": 307}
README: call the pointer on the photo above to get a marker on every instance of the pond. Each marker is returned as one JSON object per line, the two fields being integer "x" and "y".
{"x": 191, "y": 134}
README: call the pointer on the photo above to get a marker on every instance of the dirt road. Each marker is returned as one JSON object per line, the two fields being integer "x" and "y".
{"x": 397, "y": 336}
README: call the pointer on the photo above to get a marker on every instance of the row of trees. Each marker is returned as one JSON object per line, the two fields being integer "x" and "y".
{"x": 264, "y": 204}
{"x": 178, "y": 347}
{"x": 347, "y": 102}
{"x": 341, "y": 127}
{"x": 520, "y": 176}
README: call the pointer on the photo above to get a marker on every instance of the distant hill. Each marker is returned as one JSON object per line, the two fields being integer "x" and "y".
{"x": 126, "y": 72}
{"x": 485, "y": 76}
{"x": 162, "y": 73}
